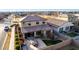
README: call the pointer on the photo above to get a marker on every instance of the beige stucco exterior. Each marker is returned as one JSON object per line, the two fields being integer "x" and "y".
{"x": 25, "y": 24}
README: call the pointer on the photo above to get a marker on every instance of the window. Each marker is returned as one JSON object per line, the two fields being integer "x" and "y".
{"x": 29, "y": 24}
{"x": 43, "y": 22}
{"x": 61, "y": 30}
{"x": 67, "y": 28}
{"x": 37, "y": 22}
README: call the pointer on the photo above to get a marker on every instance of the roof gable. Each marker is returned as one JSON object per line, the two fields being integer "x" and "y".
{"x": 32, "y": 18}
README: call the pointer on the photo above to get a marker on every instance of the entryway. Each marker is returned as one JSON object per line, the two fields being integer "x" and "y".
{"x": 31, "y": 34}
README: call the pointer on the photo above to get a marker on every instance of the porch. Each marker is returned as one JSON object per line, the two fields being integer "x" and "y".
{"x": 37, "y": 31}
{"x": 39, "y": 34}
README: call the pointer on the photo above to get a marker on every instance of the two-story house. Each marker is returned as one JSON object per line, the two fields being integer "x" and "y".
{"x": 74, "y": 18}
{"x": 35, "y": 26}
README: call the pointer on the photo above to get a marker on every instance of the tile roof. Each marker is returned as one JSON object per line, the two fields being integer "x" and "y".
{"x": 56, "y": 22}
{"x": 32, "y": 18}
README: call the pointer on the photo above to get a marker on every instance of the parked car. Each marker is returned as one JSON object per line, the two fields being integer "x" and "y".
{"x": 6, "y": 28}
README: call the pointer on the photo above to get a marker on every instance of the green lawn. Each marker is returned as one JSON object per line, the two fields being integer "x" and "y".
{"x": 51, "y": 42}
{"x": 72, "y": 34}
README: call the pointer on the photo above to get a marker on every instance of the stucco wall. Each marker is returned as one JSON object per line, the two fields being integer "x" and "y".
{"x": 68, "y": 24}
{"x": 32, "y": 24}
{"x": 57, "y": 46}
{"x": 76, "y": 42}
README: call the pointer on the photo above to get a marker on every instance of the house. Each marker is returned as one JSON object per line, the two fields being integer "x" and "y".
{"x": 35, "y": 26}
{"x": 60, "y": 25}
{"x": 74, "y": 18}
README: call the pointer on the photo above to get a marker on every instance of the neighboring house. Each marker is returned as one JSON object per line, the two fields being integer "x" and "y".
{"x": 74, "y": 18}
{"x": 34, "y": 26}
{"x": 60, "y": 25}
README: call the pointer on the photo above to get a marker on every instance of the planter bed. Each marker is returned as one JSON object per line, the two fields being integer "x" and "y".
{"x": 18, "y": 39}
{"x": 72, "y": 34}
{"x": 17, "y": 43}
{"x": 51, "y": 42}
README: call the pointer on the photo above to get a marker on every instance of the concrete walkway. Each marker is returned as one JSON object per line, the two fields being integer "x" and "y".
{"x": 29, "y": 46}
{"x": 11, "y": 46}
{"x": 41, "y": 44}
{"x": 7, "y": 41}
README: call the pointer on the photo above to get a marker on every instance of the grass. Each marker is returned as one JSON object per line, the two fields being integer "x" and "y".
{"x": 17, "y": 47}
{"x": 51, "y": 42}
{"x": 72, "y": 34}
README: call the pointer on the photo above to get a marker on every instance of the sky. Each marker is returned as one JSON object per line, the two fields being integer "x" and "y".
{"x": 19, "y": 5}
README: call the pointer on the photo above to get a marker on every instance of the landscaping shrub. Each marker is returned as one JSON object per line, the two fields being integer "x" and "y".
{"x": 16, "y": 42}
{"x": 20, "y": 35}
{"x": 17, "y": 47}
{"x": 16, "y": 35}
{"x": 16, "y": 38}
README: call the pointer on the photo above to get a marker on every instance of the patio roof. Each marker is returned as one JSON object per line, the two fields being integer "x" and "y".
{"x": 35, "y": 28}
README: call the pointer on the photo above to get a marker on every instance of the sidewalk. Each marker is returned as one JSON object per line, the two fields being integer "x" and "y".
{"x": 7, "y": 42}
{"x": 41, "y": 44}
{"x": 11, "y": 46}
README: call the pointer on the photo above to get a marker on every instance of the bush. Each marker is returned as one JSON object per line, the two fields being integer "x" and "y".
{"x": 16, "y": 35}
{"x": 16, "y": 42}
{"x": 16, "y": 39}
{"x": 17, "y": 47}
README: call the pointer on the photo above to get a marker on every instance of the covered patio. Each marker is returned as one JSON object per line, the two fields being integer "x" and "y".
{"x": 37, "y": 31}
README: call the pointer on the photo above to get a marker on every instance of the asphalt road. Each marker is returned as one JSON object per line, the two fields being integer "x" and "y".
{"x": 2, "y": 32}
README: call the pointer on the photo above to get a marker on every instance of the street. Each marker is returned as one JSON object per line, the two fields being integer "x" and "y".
{"x": 2, "y": 35}
{"x": 2, "y": 32}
